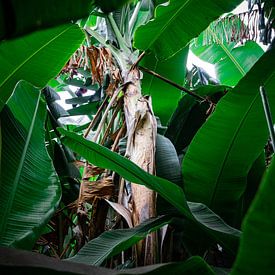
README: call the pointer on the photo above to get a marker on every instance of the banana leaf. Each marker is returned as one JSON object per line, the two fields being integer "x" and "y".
{"x": 85, "y": 109}
{"x": 191, "y": 114}
{"x": 204, "y": 218}
{"x": 14, "y": 261}
{"x": 218, "y": 160}
{"x": 111, "y": 243}
{"x": 36, "y": 57}
{"x": 164, "y": 96}
{"x": 256, "y": 253}
{"x": 176, "y": 23}
{"x": 231, "y": 62}
{"x": 29, "y": 189}
{"x": 21, "y": 17}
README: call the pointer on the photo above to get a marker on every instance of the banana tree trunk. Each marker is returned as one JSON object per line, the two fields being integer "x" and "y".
{"x": 141, "y": 130}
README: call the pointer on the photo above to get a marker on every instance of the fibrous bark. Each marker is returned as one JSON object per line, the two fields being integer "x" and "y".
{"x": 141, "y": 131}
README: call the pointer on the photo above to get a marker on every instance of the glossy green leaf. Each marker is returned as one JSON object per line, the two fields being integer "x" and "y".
{"x": 231, "y": 62}
{"x": 167, "y": 167}
{"x": 185, "y": 122}
{"x": 85, "y": 109}
{"x": 192, "y": 266}
{"x": 219, "y": 157}
{"x": 103, "y": 157}
{"x": 164, "y": 96}
{"x": 29, "y": 189}
{"x": 254, "y": 178}
{"x": 111, "y": 243}
{"x": 24, "y": 262}
{"x": 13, "y": 261}
{"x": 191, "y": 114}
{"x": 177, "y": 22}
{"x": 167, "y": 162}
{"x": 256, "y": 253}
{"x": 21, "y": 17}
{"x": 36, "y": 57}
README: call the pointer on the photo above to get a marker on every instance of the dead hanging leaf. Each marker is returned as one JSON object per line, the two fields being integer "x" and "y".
{"x": 123, "y": 211}
{"x": 92, "y": 171}
{"x": 94, "y": 55}
{"x": 101, "y": 62}
{"x": 92, "y": 190}
{"x": 79, "y": 164}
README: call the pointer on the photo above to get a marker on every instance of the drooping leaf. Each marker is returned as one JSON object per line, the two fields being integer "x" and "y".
{"x": 145, "y": 13}
{"x": 29, "y": 189}
{"x": 50, "y": 95}
{"x": 254, "y": 178}
{"x": 24, "y": 262}
{"x": 13, "y": 261}
{"x": 167, "y": 162}
{"x": 81, "y": 84}
{"x": 177, "y": 22}
{"x": 192, "y": 266}
{"x": 103, "y": 157}
{"x": 110, "y": 243}
{"x": 256, "y": 253}
{"x": 231, "y": 62}
{"x": 167, "y": 167}
{"x": 164, "y": 96}
{"x": 36, "y": 57}
{"x": 191, "y": 114}
{"x": 85, "y": 109}
{"x": 185, "y": 122}
{"x": 220, "y": 155}
{"x": 20, "y": 17}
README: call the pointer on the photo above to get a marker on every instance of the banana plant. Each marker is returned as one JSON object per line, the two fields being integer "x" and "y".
{"x": 135, "y": 52}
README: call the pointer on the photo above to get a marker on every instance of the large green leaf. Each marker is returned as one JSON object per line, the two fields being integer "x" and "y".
{"x": 20, "y": 17}
{"x": 177, "y": 22}
{"x": 13, "y": 261}
{"x": 186, "y": 120}
{"x": 192, "y": 266}
{"x": 231, "y": 62}
{"x": 85, "y": 109}
{"x": 191, "y": 114}
{"x": 254, "y": 178}
{"x": 36, "y": 57}
{"x": 24, "y": 262}
{"x": 103, "y": 157}
{"x": 256, "y": 253}
{"x": 111, "y": 243}
{"x": 217, "y": 162}
{"x": 29, "y": 189}
{"x": 167, "y": 167}
{"x": 167, "y": 162}
{"x": 164, "y": 96}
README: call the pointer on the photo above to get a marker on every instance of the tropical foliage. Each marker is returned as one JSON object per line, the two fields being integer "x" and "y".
{"x": 147, "y": 166}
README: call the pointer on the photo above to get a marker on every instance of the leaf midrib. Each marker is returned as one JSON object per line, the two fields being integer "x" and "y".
{"x": 15, "y": 182}
{"x": 214, "y": 194}
{"x": 164, "y": 27}
{"x": 218, "y": 181}
{"x": 179, "y": 206}
{"x": 187, "y": 212}
{"x": 228, "y": 53}
{"x": 109, "y": 251}
{"x": 31, "y": 56}
{"x": 160, "y": 222}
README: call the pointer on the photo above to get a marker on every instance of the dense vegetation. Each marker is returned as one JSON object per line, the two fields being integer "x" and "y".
{"x": 159, "y": 166}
